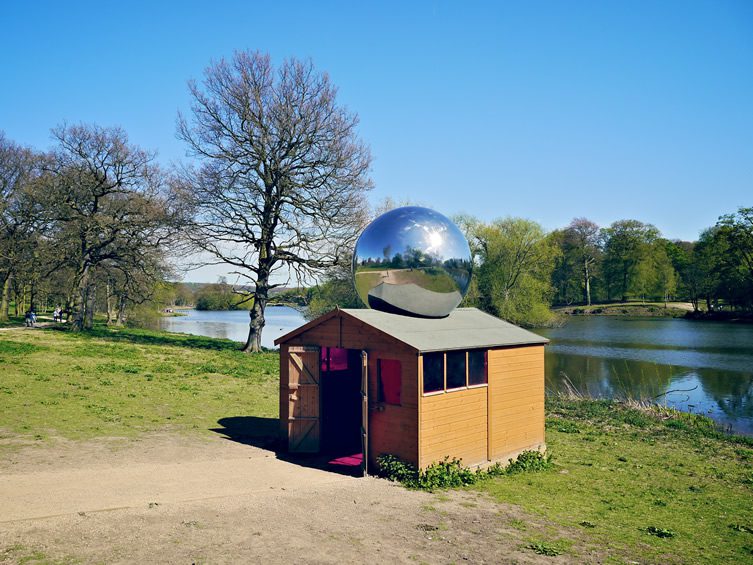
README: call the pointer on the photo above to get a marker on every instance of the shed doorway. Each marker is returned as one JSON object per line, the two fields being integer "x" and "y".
{"x": 341, "y": 405}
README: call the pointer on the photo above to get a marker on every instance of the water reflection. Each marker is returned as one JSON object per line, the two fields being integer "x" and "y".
{"x": 699, "y": 367}
{"x": 234, "y": 325}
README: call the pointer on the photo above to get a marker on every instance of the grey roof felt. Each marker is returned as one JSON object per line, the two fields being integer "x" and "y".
{"x": 464, "y": 328}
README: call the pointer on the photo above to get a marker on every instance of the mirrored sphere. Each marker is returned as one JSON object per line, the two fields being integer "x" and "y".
{"x": 412, "y": 261}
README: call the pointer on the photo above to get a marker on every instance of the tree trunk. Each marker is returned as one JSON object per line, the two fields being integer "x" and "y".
{"x": 90, "y": 305}
{"x": 587, "y": 280}
{"x": 110, "y": 306}
{"x": 256, "y": 315}
{"x": 121, "y": 310}
{"x": 33, "y": 296}
{"x": 5, "y": 298}
{"x": 81, "y": 303}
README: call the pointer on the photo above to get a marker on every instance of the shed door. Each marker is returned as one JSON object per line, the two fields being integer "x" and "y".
{"x": 303, "y": 399}
{"x": 365, "y": 412}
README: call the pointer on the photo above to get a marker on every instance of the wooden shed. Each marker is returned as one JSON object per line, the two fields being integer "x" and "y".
{"x": 365, "y": 382}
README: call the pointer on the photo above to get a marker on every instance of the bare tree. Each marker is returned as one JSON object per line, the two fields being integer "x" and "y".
{"x": 109, "y": 210}
{"x": 20, "y": 216}
{"x": 282, "y": 181}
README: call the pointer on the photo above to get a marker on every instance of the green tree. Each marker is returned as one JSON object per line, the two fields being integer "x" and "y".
{"x": 655, "y": 275}
{"x": 219, "y": 296}
{"x": 736, "y": 231}
{"x": 516, "y": 262}
{"x": 627, "y": 245}
{"x": 580, "y": 243}
{"x": 335, "y": 290}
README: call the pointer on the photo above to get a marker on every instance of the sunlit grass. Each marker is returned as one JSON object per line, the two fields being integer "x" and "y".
{"x": 625, "y": 475}
{"x": 125, "y": 382}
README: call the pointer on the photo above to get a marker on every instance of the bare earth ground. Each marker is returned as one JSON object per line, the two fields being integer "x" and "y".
{"x": 169, "y": 498}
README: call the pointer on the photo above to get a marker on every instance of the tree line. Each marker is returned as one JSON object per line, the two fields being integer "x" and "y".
{"x": 521, "y": 271}
{"x": 83, "y": 226}
{"x": 631, "y": 260}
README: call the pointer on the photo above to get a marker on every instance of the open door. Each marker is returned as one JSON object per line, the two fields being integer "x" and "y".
{"x": 365, "y": 411}
{"x": 304, "y": 426}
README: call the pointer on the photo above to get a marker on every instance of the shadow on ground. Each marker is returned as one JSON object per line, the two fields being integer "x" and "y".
{"x": 264, "y": 433}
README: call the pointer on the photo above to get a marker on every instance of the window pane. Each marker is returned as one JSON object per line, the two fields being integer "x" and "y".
{"x": 476, "y": 367}
{"x": 455, "y": 369}
{"x": 390, "y": 381}
{"x": 433, "y": 372}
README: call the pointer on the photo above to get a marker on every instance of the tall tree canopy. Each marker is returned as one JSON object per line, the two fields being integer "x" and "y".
{"x": 109, "y": 213}
{"x": 282, "y": 178}
{"x": 21, "y": 214}
{"x": 627, "y": 244}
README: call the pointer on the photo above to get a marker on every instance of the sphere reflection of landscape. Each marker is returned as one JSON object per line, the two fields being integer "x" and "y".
{"x": 412, "y": 261}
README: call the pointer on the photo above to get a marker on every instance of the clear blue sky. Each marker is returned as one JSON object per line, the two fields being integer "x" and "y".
{"x": 546, "y": 110}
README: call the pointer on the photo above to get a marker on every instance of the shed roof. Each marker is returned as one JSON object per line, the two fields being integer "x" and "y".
{"x": 464, "y": 328}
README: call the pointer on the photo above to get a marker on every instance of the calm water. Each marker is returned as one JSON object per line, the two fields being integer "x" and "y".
{"x": 709, "y": 365}
{"x": 234, "y": 325}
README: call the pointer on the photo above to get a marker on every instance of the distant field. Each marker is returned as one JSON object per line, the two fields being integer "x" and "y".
{"x": 125, "y": 382}
{"x": 657, "y": 309}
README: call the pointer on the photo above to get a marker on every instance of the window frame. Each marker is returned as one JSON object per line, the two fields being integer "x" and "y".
{"x": 486, "y": 368}
{"x": 467, "y": 384}
{"x": 443, "y": 384}
{"x": 465, "y": 364}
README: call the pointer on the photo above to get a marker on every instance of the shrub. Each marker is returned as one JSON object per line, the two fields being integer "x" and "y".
{"x": 393, "y": 469}
{"x": 660, "y": 532}
{"x": 529, "y": 461}
{"x": 543, "y": 548}
{"x": 450, "y": 473}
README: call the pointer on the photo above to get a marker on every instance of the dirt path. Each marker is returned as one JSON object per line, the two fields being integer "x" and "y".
{"x": 178, "y": 500}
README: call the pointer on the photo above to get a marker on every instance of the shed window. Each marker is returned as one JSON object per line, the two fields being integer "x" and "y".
{"x": 455, "y": 369}
{"x": 433, "y": 372}
{"x": 389, "y": 381}
{"x": 477, "y": 367}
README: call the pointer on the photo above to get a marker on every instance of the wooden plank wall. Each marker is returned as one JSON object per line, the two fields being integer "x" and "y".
{"x": 516, "y": 400}
{"x": 454, "y": 424}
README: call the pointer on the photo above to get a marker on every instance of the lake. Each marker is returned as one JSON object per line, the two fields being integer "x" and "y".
{"x": 708, "y": 365}
{"x": 702, "y": 367}
{"x": 234, "y": 324}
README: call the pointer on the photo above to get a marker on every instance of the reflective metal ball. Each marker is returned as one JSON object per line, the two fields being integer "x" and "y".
{"x": 412, "y": 261}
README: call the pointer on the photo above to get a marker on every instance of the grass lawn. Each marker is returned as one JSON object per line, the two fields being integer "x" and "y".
{"x": 123, "y": 382}
{"x": 640, "y": 487}
{"x": 12, "y": 322}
